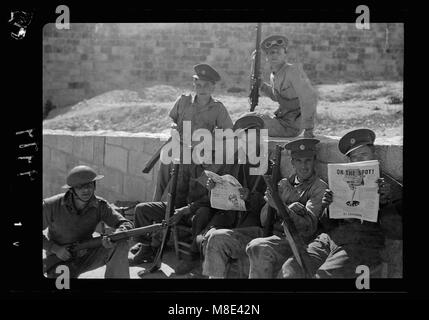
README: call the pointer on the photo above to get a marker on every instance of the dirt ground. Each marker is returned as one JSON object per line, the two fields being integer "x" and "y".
{"x": 342, "y": 107}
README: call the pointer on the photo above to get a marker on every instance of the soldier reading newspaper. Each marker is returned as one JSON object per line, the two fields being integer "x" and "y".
{"x": 355, "y": 188}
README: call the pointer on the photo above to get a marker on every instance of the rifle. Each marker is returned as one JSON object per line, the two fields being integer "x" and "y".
{"x": 275, "y": 176}
{"x": 171, "y": 199}
{"x": 149, "y": 165}
{"x": 295, "y": 241}
{"x": 255, "y": 77}
{"x": 52, "y": 260}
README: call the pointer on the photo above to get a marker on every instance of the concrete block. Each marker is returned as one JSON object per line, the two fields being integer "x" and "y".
{"x": 113, "y": 179}
{"x": 136, "y": 162}
{"x": 46, "y": 155}
{"x": 114, "y": 140}
{"x": 391, "y": 160}
{"x": 65, "y": 143}
{"x": 50, "y": 140}
{"x": 88, "y": 148}
{"x": 71, "y": 162}
{"x": 134, "y": 188}
{"x": 151, "y": 145}
{"x": 99, "y": 143}
{"x": 116, "y": 157}
{"x": 134, "y": 143}
{"x": 58, "y": 160}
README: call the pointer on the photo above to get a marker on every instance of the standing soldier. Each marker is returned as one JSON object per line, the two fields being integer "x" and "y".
{"x": 291, "y": 88}
{"x": 348, "y": 243}
{"x": 73, "y": 216}
{"x": 302, "y": 195}
{"x": 202, "y": 111}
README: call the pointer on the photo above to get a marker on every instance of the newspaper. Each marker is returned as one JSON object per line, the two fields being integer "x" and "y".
{"x": 225, "y": 195}
{"x": 355, "y": 190}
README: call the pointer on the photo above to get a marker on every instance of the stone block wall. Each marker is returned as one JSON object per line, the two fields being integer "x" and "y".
{"x": 121, "y": 156}
{"x": 92, "y": 58}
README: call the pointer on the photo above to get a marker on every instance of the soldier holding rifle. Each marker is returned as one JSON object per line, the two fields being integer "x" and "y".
{"x": 291, "y": 88}
{"x": 302, "y": 195}
{"x": 202, "y": 111}
{"x": 72, "y": 217}
{"x": 347, "y": 243}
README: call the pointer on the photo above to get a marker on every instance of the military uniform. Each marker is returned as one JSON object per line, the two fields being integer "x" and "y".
{"x": 230, "y": 231}
{"x": 210, "y": 116}
{"x": 267, "y": 255}
{"x": 344, "y": 244}
{"x": 66, "y": 225}
{"x": 291, "y": 88}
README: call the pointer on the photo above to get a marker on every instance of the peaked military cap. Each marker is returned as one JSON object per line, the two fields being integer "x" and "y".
{"x": 356, "y": 139}
{"x": 205, "y": 72}
{"x": 249, "y": 121}
{"x": 81, "y": 175}
{"x": 275, "y": 40}
{"x": 305, "y": 147}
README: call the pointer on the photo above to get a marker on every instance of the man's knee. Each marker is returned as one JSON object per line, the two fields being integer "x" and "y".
{"x": 258, "y": 247}
{"x": 290, "y": 270}
{"x": 218, "y": 239}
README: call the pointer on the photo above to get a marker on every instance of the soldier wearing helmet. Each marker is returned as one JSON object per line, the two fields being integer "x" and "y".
{"x": 73, "y": 216}
{"x": 291, "y": 88}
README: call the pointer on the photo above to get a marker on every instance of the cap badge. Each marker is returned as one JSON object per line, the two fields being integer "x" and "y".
{"x": 203, "y": 71}
{"x": 352, "y": 141}
{"x": 302, "y": 147}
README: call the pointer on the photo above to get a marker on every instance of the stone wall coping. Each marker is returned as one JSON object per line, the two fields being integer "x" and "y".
{"x": 396, "y": 140}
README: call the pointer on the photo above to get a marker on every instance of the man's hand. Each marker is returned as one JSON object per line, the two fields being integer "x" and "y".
{"x": 269, "y": 199}
{"x": 107, "y": 243}
{"x": 210, "y": 184}
{"x": 327, "y": 198}
{"x": 297, "y": 208}
{"x": 308, "y": 133}
{"x": 244, "y": 193}
{"x": 279, "y": 113}
{"x": 383, "y": 190}
{"x": 178, "y": 214}
{"x": 61, "y": 252}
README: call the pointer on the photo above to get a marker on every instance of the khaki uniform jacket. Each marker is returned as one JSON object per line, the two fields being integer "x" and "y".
{"x": 210, "y": 116}
{"x": 292, "y": 89}
{"x": 66, "y": 225}
{"x": 309, "y": 193}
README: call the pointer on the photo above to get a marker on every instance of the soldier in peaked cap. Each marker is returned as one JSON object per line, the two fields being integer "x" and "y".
{"x": 302, "y": 194}
{"x": 200, "y": 111}
{"x": 73, "y": 216}
{"x": 291, "y": 88}
{"x": 348, "y": 243}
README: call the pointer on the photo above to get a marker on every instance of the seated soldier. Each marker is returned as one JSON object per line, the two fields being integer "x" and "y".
{"x": 192, "y": 208}
{"x": 347, "y": 243}
{"x": 230, "y": 231}
{"x": 72, "y": 217}
{"x": 302, "y": 195}
{"x": 291, "y": 88}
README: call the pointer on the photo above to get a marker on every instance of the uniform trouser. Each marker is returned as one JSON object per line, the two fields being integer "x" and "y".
{"x": 326, "y": 259}
{"x": 222, "y": 246}
{"x": 267, "y": 256}
{"x": 277, "y": 128}
{"x": 154, "y": 212}
{"x": 162, "y": 181}
{"x": 115, "y": 259}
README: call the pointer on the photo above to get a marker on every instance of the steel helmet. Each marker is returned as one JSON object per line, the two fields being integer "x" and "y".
{"x": 81, "y": 175}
